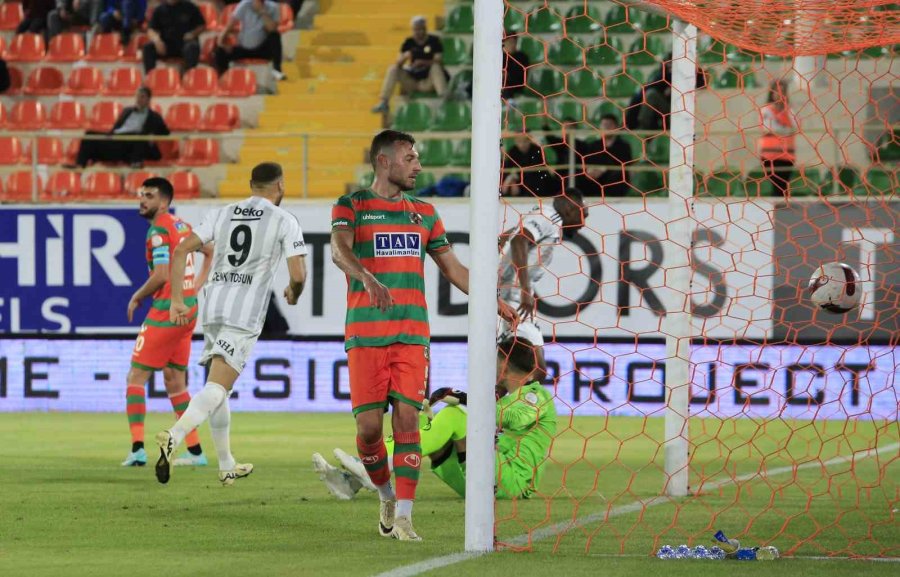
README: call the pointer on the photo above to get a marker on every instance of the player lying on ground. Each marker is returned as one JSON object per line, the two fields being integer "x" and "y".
{"x": 162, "y": 345}
{"x": 251, "y": 237}
{"x": 526, "y": 417}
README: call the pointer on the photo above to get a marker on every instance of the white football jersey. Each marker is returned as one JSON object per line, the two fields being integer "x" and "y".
{"x": 545, "y": 225}
{"x": 251, "y": 238}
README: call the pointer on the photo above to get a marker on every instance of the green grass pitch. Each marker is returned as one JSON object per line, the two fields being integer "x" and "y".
{"x": 67, "y": 508}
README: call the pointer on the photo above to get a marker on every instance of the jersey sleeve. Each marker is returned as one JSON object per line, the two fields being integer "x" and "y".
{"x": 538, "y": 226}
{"x": 293, "y": 243}
{"x": 205, "y": 231}
{"x": 158, "y": 243}
{"x": 518, "y": 411}
{"x": 437, "y": 240}
{"x": 343, "y": 215}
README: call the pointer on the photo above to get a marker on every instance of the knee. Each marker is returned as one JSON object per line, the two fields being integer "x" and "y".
{"x": 368, "y": 434}
{"x": 392, "y": 69}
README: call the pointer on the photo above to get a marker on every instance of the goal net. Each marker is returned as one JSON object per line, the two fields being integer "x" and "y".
{"x": 697, "y": 386}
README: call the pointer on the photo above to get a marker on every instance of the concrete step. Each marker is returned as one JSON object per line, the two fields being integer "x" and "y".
{"x": 315, "y": 54}
{"x": 350, "y": 36}
{"x": 330, "y": 70}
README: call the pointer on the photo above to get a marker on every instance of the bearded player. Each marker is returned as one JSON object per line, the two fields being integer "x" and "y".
{"x": 162, "y": 345}
{"x": 379, "y": 239}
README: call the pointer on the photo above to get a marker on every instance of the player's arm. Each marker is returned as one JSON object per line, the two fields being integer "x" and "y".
{"x": 297, "y": 273}
{"x": 178, "y": 311}
{"x": 458, "y": 275}
{"x": 517, "y": 414}
{"x": 519, "y": 247}
{"x": 207, "y": 252}
{"x": 156, "y": 281}
{"x": 342, "y": 256}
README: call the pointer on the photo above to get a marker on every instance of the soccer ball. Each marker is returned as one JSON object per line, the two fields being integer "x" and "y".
{"x": 835, "y": 287}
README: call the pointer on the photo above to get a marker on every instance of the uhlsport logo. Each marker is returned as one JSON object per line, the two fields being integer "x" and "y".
{"x": 370, "y": 216}
{"x": 398, "y": 244}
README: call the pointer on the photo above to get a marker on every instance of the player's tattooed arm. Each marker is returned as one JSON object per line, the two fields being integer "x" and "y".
{"x": 342, "y": 256}
{"x": 178, "y": 311}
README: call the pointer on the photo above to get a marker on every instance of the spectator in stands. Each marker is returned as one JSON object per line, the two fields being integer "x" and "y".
{"x": 36, "y": 12}
{"x": 525, "y": 153}
{"x": 134, "y": 120}
{"x": 514, "y": 64}
{"x": 605, "y": 162}
{"x": 174, "y": 31}
{"x": 776, "y": 145}
{"x": 123, "y": 16}
{"x": 5, "y": 80}
{"x": 418, "y": 68}
{"x": 649, "y": 107}
{"x": 73, "y": 13}
{"x": 257, "y": 38}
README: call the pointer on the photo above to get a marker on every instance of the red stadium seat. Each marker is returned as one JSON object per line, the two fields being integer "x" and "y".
{"x": 221, "y": 117}
{"x": 103, "y": 185}
{"x": 44, "y": 81}
{"x": 26, "y": 47}
{"x": 186, "y": 184}
{"x": 200, "y": 81}
{"x": 2, "y": 46}
{"x": 132, "y": 52}
{"x": 210, "y": 15}
{"x": 105, "y": 48}
{"x": 10, "y": 150}
{"x": 18, "y": 185}
{"x": 63, "y": 185}
{"x": 27, "y": 115}
{"x": 200, "y": 152}
{"x": 286, "y": 21}
{"x": 67, "y": 115}
{"x": 134, "y": 180}
{"x": 66, "y": 47}
{"x": 72, "y": 151}
{"x": 86, "y": 81}
{"x": 169, "y": 153}
{"x": 225, "y": 16}
{"x": 163, "y": 81}
{"x": 16, "y": 81}
{"x": 11, "y": 15}
{"x": 2, "y": 115}
{"x": 238, "y": 83}
{"x": 183, "y": 117}
{"x": 104, "y": 115}
{"x": 123, "y": 82}
{"x": 49, "y": 151}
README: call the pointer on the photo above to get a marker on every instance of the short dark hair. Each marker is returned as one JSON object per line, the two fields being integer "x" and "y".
{"x": 265, "y": 173}
{"x": 387, "y": 138}
{"x": 610, "y": 116}
{"x": 574, "y": 195}
{"x": 519, "y": 353}
{"x": 146, "y": 90}
{"x": 164, "y": 187}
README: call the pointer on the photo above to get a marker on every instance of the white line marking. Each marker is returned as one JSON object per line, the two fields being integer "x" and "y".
{"x": 553, "y": 530}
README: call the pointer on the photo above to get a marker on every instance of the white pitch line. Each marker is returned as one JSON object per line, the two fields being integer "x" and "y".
{"x": 553, "y": 530}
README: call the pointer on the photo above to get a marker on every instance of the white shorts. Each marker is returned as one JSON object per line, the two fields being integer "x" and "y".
{"x": 525, "y": 330}
{"x": 231, "y": 343}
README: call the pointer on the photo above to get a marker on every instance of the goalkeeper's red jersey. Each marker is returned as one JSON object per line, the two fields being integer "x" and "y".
{"x": 164, "y": 235}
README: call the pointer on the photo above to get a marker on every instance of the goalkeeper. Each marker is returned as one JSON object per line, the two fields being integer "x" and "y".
{"x": 526, "y": 420}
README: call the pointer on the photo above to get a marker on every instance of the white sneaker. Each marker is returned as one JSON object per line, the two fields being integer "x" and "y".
{"x": 386, "y": 514}
{"x": 278, "y": 75}
{"x": 167, "y": 447}
{"x": 355, "y": 468}
{"x": 239, "y": 472}
{"x": 336, "y": 481}
{"x": 403, "y": 530}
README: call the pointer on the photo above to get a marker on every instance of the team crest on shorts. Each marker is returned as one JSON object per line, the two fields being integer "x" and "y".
{"x": 415, "y": 218}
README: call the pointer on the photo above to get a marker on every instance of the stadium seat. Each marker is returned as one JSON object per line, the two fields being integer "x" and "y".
{"x": 105, "y": 48}
{"x": 26, "y": 47}
{"x": 132, "y": 52}
{"x": 19, "y": 185}
{"x": 412, "y": 117}
{"x": 725, "y": 182}
{"x": 544, "y": 81}
{"x": 452, "y": 116}
{"x": 645, "y": 50}
{"x": 460, "y": 80}
{"x": 66, "y": 47}
{"x": 579, "y": 21}
{"x": 286, "y": 18}
{"x": 27, "y": 115}
{"x": 757, "y": 184}
{"x": 531, "y": 112}
{"x": 11, "y": 15}
{"x": 123, "y": 82}
{"x": 735, "y": 77}
{"x": 10, "y": 150}
{"x": 460, "y": 20}
{"x": 186, "y": 184}
{"x": 435, "y": 152}
{"x": 606, "y": 54}
{"x": 566, "y": 53}
{"x": 199, "y": 152}
{"x": 567, "y": 111}
{"x": 134, "y": 180}
{"x": 647, "y": 182}
{"x": 621, "y": 85}
{"x": 49, "y": 151}
{"x": 583, "y": 83}
{"x": 2, "y": 116}
{"x": 513, "y": 21}
{"x": 646, "y": 21}
{"x": 455, "y": 51}
{"x": 104, "y": 115}
{"x": 183, "y": 117}
{"x": 424, "y": 180}
{"x": 87, "y": 81}
{"x": 200, "y": 81}
{"x": 163, "y": 81}
{"x": 658, "y": 150}
{"x": 63, "y": 184}
{"x": 366, "y": 180}
{"x": 103, "y": 185}
{"x": 711, "y": 51}
{"x": 67, "y": 115}
{"x": 533, "y": 48}
{"x": 44, "y": 81}
{"x": 221, "y": 117}
{"x": 210, "y": 15}
{"x": 605, "y": 107}
{"x": 544, "y": 21}
{"x": 16, "y": 81}
{"x": 168, "y": 150}
{"x": 615, "y": 17}
{"x": 225, "y": 15}
{"x": 462, "y": 153}
{"x": 237, "y": 82}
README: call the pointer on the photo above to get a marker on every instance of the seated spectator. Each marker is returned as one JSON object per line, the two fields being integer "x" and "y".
{"x": 650, "y": 106}
{"x": 605, "y": 162}
{"x": 418, "y": 68}
{"x": 5, "y": 80}
{"x": 257, "y": 38}
{"x": 514, "y": 64}
{"x": 73, "y": 13}
{"x": 137, "y": 119}
{"x": 123, "y": 16}
{"x": 174, "y": 31}
{"x": 36, "y": 12}
{"x": 525, "y": 153}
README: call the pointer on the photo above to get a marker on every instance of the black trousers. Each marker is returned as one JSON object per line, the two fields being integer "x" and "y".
{"x": 779, "y": 173}
{"x": 189, "y": 51}
{"x": 270, "y": 49}
{"x": 115, "y": 151}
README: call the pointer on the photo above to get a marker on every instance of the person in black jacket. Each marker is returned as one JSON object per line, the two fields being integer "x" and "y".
{"x": 174, "y": 31}
{"x": 137, "y": 119}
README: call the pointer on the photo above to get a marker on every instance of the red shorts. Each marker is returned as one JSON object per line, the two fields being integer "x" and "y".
{"x": 377, "y": 374}
{"x": 160, "y": 347}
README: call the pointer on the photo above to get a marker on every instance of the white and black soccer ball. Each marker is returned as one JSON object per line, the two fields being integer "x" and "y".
{"x": 836, "y": 288}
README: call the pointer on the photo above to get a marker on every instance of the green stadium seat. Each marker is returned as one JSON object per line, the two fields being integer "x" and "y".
{"x": 453, "y": 116}
{"x": 725, "y": 182}
{"x": 567, "y": 111}
{"x": 513, "y": 21}
{"x": 566, "y": 53}
{"x": 605, "y": 108}
{"x": 584, "y": 83}
{"x": 550, "y": 156}
{"x": 759, "y": 185}
{"x": 878, "y": 182}
{"x": 646, "y": 21}
{"x": 459, "y": 79}
{"x": 460, "y": 20}
{"x": 435, "y": 152}
{"x": 648, "y": 182}
{"x": 456, "y": 51}
{"x": 366, "y": 180}
{"x": 544, "y": 21}
{"x": 615, "y": 19}
{"x": 533, "y": 48}
{"x": 424, "y": 180}
{"x": 711, "y": 52}
{"x": 544, "y": 81}
{"x": 658, "y": 150}
{"x": 847, "y": 179}
{"x": 607, "y": 54}
{"x": 462, "y": 153}
{"x": 580, "y": 22}
{"x": 412, "y": 117}
{"x": 635, "y": 143}
{"x": 622, "y": 85}
{"x": 736, "y": 55}
{"x": 641, "y": 54}
{"x": 533, "y": 113}
{"x": 889, "y": 147}
{"x": 736, "y": 77}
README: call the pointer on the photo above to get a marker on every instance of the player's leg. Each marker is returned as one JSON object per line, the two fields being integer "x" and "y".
{"x": 175, "y": 378}
{"x": 448, "y": 426}
{"x": 136, "y": 409}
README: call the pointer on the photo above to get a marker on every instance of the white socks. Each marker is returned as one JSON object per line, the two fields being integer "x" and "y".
{"x": 404, "y": 508}
{"x": 220, "y": 427}
{"x": 199, "y": 409}
{"x": 386, "y": 492}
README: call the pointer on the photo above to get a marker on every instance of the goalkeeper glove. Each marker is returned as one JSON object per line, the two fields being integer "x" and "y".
{"x": 450, "y": 396}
